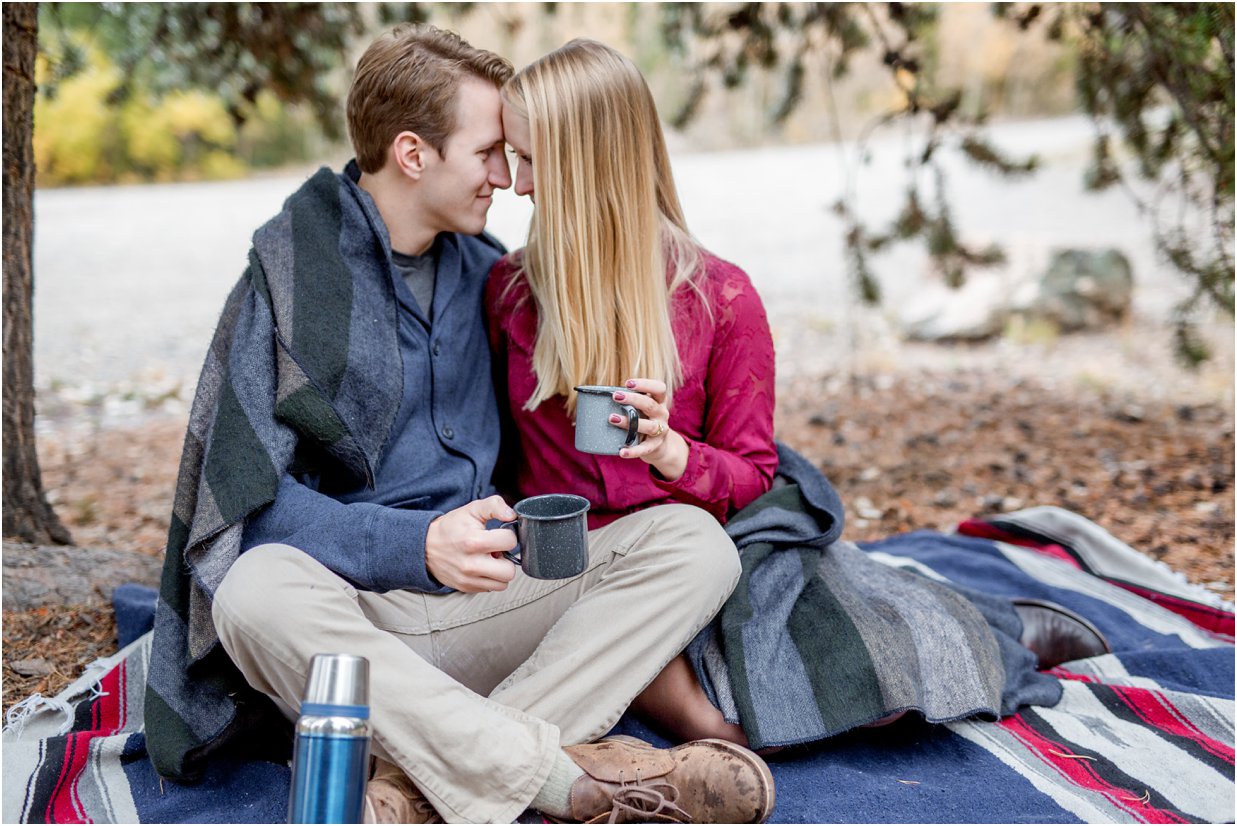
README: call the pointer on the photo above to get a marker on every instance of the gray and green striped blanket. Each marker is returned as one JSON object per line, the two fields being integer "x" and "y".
{"x": 300, "y": 363}
{"x": 819, "y": 637}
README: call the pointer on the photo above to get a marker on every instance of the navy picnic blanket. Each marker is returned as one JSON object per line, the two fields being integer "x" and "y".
{"x": 1142, "y": 735}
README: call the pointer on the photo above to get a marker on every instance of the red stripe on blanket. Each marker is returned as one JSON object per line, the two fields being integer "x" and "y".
{"x": 1206, "y": 617}
{"x": 1061, "y": 674}
{"x": 1077, "y": 769}
{"x": 985, "y": 530}
{"x": 107, "y": 717}
{"x": 63, "y": 806}
{"x": 1156, "y": 710}
{"x": 1209, "y": 618}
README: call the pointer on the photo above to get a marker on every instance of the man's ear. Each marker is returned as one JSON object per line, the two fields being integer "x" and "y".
{"x": 409, "y": 153}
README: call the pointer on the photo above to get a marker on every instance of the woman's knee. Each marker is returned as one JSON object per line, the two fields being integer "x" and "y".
{"x": 706, "y": 554}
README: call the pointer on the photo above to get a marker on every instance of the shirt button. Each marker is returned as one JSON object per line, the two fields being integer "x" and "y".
{"x": 447, "y": 432}
{"x": 437, "y": 347}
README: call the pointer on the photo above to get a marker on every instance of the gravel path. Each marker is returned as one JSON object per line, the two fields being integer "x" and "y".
{"x": 130, "y": 280}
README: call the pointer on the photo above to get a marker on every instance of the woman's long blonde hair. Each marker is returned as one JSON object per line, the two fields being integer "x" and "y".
{"x": 606, "y": 225}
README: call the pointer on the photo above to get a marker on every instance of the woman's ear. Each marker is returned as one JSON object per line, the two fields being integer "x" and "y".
{"x": 408, "y": 151}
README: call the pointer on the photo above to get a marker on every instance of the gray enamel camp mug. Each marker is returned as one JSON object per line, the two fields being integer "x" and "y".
{"x": 553, "y": 535}
{"x": 594, "y": 433}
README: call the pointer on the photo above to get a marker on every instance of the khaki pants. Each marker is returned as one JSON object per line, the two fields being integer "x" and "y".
{"x": 474, "y": 694}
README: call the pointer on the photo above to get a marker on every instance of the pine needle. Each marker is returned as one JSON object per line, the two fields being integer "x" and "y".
{"x": 1071, "y": 756}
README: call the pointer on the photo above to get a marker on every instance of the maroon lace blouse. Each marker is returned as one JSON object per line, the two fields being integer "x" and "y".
{"x": 724, "y": 409}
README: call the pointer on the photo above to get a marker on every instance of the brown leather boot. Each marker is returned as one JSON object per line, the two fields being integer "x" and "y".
{"x": 1056, "y": 634}
{"x": 390, "y": 797}
{"x": 706, "y": 781}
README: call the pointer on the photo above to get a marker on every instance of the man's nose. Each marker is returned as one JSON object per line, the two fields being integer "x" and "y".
{"x": 500, "y": 172}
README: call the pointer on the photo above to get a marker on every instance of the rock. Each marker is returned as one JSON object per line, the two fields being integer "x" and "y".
{"x": 992, "y": 502}
{"x": 975, "y": 311}
{"x": 1130, "y": 414}
{"x": 865, "y": 509}
{"x": 36, "y": 575}
{"x": 37, "y": 667}
{"x": 1082, "y": 290}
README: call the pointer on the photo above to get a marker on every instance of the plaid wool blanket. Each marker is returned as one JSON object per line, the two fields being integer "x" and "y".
{"x": 300, "y": 361}
{"x": 819, "y": 638}
{"x": 1142, "y": 735}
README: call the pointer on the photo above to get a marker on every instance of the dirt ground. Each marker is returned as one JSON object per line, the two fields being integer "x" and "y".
{"x": 912, "y": 450}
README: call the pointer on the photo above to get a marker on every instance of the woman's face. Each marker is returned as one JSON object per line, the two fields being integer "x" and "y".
{"x": 519, "y": 138}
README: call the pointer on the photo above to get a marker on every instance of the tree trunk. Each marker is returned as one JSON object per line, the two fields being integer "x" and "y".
{"x": 26, "y": 512}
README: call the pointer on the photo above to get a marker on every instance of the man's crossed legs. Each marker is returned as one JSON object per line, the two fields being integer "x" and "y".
{"x": 475, "y": 696}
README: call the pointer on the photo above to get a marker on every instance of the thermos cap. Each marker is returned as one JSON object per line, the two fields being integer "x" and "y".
{"x": 337, "y": 680}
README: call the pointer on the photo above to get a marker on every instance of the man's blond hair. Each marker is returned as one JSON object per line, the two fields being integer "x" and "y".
{"x": 407, "y": 80}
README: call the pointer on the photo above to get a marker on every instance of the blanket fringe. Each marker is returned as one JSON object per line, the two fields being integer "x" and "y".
{"x": 20, "y": 713}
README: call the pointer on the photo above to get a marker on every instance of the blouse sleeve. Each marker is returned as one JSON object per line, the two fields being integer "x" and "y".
{"x": 497, "y": 312}
{"x": 735, "y": 461}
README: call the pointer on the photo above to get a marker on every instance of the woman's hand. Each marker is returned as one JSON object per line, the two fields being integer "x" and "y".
{"x": 662, "y": 448}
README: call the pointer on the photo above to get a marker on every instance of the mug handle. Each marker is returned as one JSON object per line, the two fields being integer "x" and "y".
{"x": 633, "y": 423}
{"x": 515, "y": 555}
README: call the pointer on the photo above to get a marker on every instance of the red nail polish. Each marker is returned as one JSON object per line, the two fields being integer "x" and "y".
{"x": 618, "y": 397}
{"x": 615, "y": 418}
{"x": 631, "y": 383}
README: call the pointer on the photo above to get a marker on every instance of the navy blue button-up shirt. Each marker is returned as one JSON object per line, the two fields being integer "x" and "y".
{"x": 440, "y": 453}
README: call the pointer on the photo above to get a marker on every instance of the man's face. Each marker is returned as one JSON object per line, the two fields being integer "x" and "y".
{"x": 457, "y": 185}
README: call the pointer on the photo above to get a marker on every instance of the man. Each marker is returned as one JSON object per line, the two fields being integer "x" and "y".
{"x": 343, "y": 437}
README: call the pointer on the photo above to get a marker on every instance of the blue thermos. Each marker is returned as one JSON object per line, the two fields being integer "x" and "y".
{"x": 330, "y": 762}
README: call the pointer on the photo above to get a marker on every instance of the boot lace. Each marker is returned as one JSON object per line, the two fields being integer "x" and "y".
{"x": 639, "y": 801}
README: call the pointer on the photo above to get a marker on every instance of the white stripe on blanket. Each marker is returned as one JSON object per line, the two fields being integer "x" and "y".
{"x": 1061, "y": 574}
{"x": 106, "y": 795}
{"x": 1140, "y": 752}
{"x": 997, "y": 741}
{"x": 1108, "y": 556}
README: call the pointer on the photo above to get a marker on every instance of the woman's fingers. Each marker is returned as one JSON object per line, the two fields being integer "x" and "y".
{"x": 649, "y": 407}
{"x": 641, "y": 450}
{"x": 651, "y": 387}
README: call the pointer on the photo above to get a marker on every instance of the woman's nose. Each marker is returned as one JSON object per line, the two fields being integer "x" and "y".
{"x": 523, "y": 180}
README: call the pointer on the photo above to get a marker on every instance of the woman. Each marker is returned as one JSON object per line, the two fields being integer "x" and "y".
{"x": 612, "y": 290}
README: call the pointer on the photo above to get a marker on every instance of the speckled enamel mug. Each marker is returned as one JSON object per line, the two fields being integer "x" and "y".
{"x": 553, "y": 534}
{"x": 594, "y": 433}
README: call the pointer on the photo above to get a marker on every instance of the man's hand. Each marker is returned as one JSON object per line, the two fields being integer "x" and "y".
{"x": 459, "y": 551}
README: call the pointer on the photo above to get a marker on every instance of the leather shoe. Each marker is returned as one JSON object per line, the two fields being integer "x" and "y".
{"x": 705, "y": 781}
{"x": 390, "y": 797}
{"x": 1056, "y": 634}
